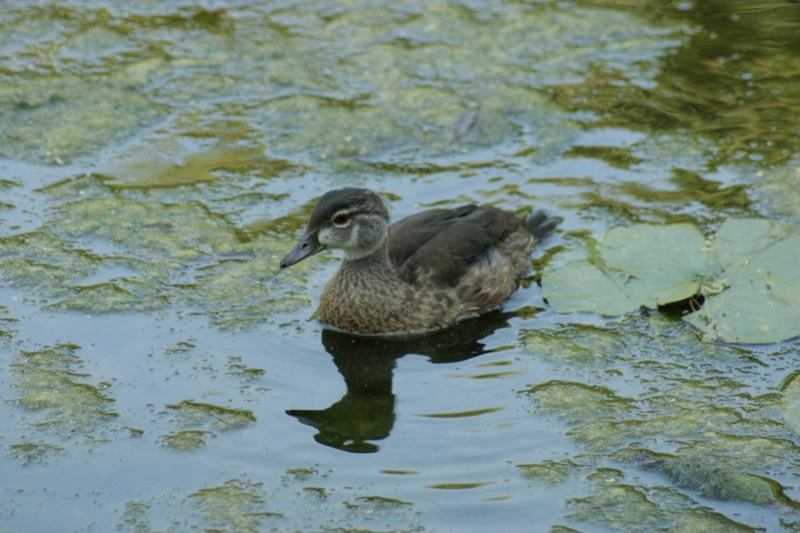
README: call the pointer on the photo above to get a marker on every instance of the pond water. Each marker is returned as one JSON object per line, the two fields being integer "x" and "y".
{"x": 160, "y": 373}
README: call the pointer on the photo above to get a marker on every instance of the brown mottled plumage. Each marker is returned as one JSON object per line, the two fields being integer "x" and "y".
{"x": 424, "y": 272}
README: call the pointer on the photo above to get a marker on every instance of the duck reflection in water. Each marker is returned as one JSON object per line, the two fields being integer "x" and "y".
{"x": 366, "y": 411}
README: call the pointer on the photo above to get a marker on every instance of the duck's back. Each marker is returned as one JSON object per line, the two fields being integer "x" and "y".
{"x": 476, "y": 253}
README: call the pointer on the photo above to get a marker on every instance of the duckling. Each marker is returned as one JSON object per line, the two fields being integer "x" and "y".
{"x": 422, "y": 273}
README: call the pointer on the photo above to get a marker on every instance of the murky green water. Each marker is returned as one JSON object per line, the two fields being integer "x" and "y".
{"x": 160, "y": 373}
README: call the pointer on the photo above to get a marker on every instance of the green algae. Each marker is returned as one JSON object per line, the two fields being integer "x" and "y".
{"x": 166, "y": 85}
{"x": 723, "y": 439}
{"x": 5, "y": 185}
{"x": 574, "y": 344}
{"x": 550, "y": 472}
{"x": 300, "y": 474}
{"x": 134, "y": 516}
{"x": 240, "y": 504}
{"x": 686, "y": 401}
{"x": 355, "y": 98}
{"x": 236, "y": 505}
{"x": 47, "y": 381}
{"x": 622, "y": 506}
{"x": 237, "y": 368}
{"x": 149, "y": 167}
{"x": 239, "y": 294}
{"x": 43, "y": 262}
{"x": 180, "y": 232}
{"x": 460, "y": 486}
{"x": 129, "y": 254}
{"x": 317, "y": 492}
{"x": 187, "y": 440}
{"x": 201, "y": 421}
{"x": 382, "y": 502}
{"x": 114, "y": 296}
{"x": 365, "y": 88}
{"x": 7, "y": 323}
{"x": 191, "y": 413}
{"x": 717, "y": 481}
{"x": 34, "y": 452}
{"x": 617, "y": 157}
{"x": 576, "y": 402}
{"x": 58, "y": 119}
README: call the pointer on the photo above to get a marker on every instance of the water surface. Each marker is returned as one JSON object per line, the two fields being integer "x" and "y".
{"x": 161, "y": 373}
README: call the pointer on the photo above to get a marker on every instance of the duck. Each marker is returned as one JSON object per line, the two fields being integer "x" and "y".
{"x": 422, "y": 273}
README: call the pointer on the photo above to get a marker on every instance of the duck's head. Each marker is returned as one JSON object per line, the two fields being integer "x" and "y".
{"x": 350, "y": 219}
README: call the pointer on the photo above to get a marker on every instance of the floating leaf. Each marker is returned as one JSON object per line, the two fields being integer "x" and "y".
{"x": 790, "y": 406}
{"x": 562, "y": 288}
{"x": 762, "y": 303}
{"x": 658, "y": 264}
{"x": 749, "y": 275}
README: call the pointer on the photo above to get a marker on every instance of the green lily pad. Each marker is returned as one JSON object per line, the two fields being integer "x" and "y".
{"x": 561, "y": 289}
{"x": 748, "y": 273}
{"x": 790, "y": 406}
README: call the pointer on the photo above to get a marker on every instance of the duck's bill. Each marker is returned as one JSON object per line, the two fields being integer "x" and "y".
{"x": 308, "y": 246}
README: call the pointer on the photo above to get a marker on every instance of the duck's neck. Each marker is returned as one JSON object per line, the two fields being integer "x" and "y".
{"x": 375, "y": 263}
{"x": 366, "y": 295}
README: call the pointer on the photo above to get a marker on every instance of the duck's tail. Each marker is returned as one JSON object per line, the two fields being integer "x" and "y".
{"x": 541, "y": 225}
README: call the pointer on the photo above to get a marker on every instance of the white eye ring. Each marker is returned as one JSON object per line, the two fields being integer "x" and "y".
{"x": 341, "y": 219}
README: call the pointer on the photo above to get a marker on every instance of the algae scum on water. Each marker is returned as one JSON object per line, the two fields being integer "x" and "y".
{"x": 161, "y": 373}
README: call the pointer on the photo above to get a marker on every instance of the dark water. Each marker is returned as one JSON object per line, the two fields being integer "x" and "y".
{"x": 160, "y": 373}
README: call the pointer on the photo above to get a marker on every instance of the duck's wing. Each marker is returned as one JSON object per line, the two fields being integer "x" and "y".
{"x": 442, "y": 244}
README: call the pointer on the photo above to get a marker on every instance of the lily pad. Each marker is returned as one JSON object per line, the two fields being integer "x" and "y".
{"x": 748, "y": 274}
{"x": 790, "y": 406}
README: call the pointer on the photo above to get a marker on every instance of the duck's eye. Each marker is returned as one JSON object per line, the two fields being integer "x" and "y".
{"x": 340, "y": 219}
